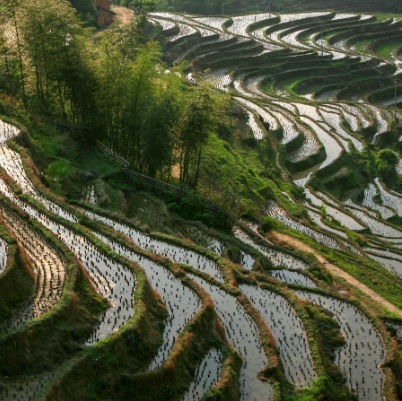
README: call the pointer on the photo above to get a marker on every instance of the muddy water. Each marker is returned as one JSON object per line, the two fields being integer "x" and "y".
{"x": 289, "y": 127}
{"x": 389, "y": 260}
{"x": 238, "y": 85}
{"x": 185, "y": 30}
{"x": 301, "y": 178}
{"x": 24, "y": 388}
{"x": 382, "y": 123}
{"x": 292, "y": 39}
{"x": 289, "y": 277}
{"x": 213, "y": 22}
{"x": 316, "y": 218}
{"x": 253, "y": 83}
{"x": 204, "y": 33}
{"x": 208, "y": 373}
{"x": 7, "y": 131}
{"x": 165, "y": 24}
{"x": 356, "y": 111}
{"x": 377, "y": 227}
{"x": 390, "y": 264}
{"x": 186, "y": 21}
{"x": 220, "y": 79}
{"x": 49, "y": 268}
{"x": 276, "y": 257}
{"x": 309, "y": 147}
{"x": 111, "y": 280}
{"x": 246, "y": 260}
{"x": 308, "y": 110}
{"x": 288, "y": 331}
{"x": 343, "y": 218}
{"x": 242, "y": 333}
{"x": 181, "y": 302}
{"x": 327, "y": 127}
{"x": 349, "y": 202}
{"x": 364, "y": 351}
{"x": 175, "y": 253}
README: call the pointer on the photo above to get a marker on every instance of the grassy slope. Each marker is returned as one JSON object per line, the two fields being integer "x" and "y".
{"x": 17, "y": 275}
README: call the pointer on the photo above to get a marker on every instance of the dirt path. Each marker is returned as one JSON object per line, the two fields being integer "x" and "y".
{"x": 335, "y": 270}
{"x": 123, "y": 14}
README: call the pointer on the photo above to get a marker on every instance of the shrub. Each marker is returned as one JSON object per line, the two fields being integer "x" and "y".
{"x": 386, "y": 162}
{"x": 269, "y": 224}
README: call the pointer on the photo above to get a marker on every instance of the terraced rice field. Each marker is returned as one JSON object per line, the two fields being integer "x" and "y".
{"x": 181, "y": 302}
{"x": 368, "y": 202}
{"x": 236, "y": 308}
{"x": 343, "y": 218}
{"x": 175, "y": 253}
{"x": 364, "y": 349}
{"x": 242, "y": 333}
{"x": 208, "y": 373}
{"x": 317, "y": 219}
{"x": 49, "y": 268}
{"x": 275, "y": 256}
{"x": 280, "y": 317}
{"x": 278, "y": 213}
{"x": 290, "y": 277}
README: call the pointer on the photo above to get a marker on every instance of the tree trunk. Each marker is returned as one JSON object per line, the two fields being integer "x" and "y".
{"x": 24, "y": 99}
{"x": 198, "y": 170}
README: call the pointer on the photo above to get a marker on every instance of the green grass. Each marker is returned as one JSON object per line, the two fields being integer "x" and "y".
{"x": 386, "y": 50}
{"x": 57, "y": 172}
{"x": 382, "y": 17}
{"x": 361, "y": 46}
{"x": 93, "y": 160}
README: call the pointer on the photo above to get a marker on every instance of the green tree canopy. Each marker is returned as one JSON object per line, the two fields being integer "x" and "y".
{"x": 386, "y": 162}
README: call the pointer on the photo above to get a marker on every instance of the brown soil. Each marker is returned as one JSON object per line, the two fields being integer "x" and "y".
{"x": 335, "y": 270}
{"x": 124, "y": 15}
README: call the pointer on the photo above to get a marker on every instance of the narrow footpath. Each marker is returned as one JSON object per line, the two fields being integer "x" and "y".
{"x": 335, "y": 270}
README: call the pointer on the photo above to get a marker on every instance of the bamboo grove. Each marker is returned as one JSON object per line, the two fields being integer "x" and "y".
{"x": 113, "y": 85}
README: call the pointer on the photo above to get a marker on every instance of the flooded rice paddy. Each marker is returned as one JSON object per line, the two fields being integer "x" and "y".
{"x": 208, "y": 373}
{"x": 291, "y": 277}
{"x": 242, "y": 333}
{"x": 182, "y": 303}
{"x": 288, "y": 332}
{"x": 359, "y": 359}
{"x": 173, "y": 252}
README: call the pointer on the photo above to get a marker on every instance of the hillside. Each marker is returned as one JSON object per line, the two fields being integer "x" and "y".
{"x": 201, "y": 207}
{"x": 212, "y": 7}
